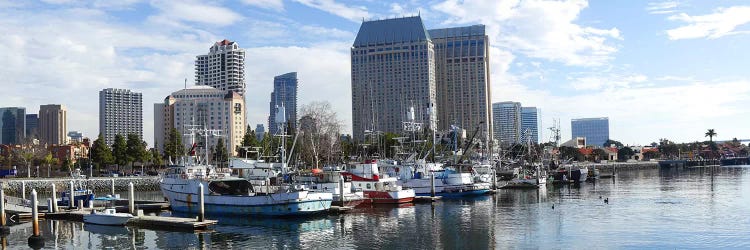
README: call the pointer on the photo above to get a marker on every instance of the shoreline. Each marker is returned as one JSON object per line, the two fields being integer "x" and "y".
{"x": 12, "y": 186}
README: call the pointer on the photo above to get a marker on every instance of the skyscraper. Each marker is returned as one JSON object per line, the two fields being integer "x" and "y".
{"x": 53, "y": 126}
{"x": 32, "y": 126}
{"x": 12, "y": 125}
{"x": 507, "y": 117}
{"x": 393, "y": 71}
{"x": 596, "y": 130}
{"x": 260, "y": 131}
{"x": 163, "y": 121}
{"x": 529, "y": 124}
{"x": 284, "y": 92}
{"x": 222, "y": 68}
{"x": 75, "y": 137}
{"x": 462, "y": 76}
{"x": 120, "y": 112}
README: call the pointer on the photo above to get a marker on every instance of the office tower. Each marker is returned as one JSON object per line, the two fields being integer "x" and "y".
{"x": 203, "y": 107}
{"x": 507, "y": 117}
{"x": 284, "y": 92}
{"x": 260, "y": 131}
{"x": 529, "y": 124}
{"x": 12, "y": 125}
{"x": 462, "y": 77}
{"x": 222, "y": 68}
{"x": 32, "y": 126}
{"x": 120, "y": 112}
{"x": 595, "y": 130}
{"x": 393, "y": 73}
{"x": 53, "y": 120}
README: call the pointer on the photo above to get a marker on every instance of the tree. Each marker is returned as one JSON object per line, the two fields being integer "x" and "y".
{"x": 248, "y": 140}
{"x": 609, "y": 143}
{"x": 600, "y": 154}
{"x": 136, "y": 149}
{"x": 651, "y": 155}
{"x": 710, "y": 134}
{"x": 220, "y": 152}
{"x": 101, "y": 154}
{"x": 156, "y": 157}
{"x": 67, "y": 164}
{"x": 173, "y": 147}
{"x": 624, "y": 153}
{"x": 49, "y": 160}
{"x": 320, "y": 132}
{"x": 570, "y": 153}
{"x": 120, "y": 151}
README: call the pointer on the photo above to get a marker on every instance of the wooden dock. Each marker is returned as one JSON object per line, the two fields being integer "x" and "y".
{"x": 152, "y": 222}
{"x": 418, "y": 199}
{"x": 339, "y": 209}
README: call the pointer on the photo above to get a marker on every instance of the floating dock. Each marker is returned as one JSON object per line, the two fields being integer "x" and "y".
{"x": 153, "y": 222}
{"x": 339, "y": 209}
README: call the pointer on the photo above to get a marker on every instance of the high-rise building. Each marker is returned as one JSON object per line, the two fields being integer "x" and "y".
{"x": 260, "y": 131}
{"x": 53, "y": 119}
{"x": 529, "y": 124}
{"x": 462, "y": 76}
{"x": 284, "y": 93}
{"x": 222, "y": 68}
{"x": 595, "y": 130}
{"x": 507, "y": 117}
{"x": 203, "y": 107}
{"x": 12, "y": 125}
{"x": 120, "y": 112}
{"x": 75, "y": 137}
{"x": 393, "y": 72}
{"x": 32, "y": 126}
{"x": 163, "y": 122}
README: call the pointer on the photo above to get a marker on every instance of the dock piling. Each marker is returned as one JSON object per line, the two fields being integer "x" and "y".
{"x": 49, "y": 206}
{"x": 432, "y": 184}
{"x": 201, "y": 216}
{"x": 54, "y": 198}
{"x": 131, "y": 199}
{"x": 112, "y": 183}
{"x": 72, "y": 196}
{"x": 23, "y": 190}
{"x": 341, "y": 189}
{"x": 35, "y": 241}
{"x": 80, "y": 204}
{"x": 4, "y": 230}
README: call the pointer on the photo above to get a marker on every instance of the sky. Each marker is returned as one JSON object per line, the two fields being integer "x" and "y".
{"x": 657, "y": 69}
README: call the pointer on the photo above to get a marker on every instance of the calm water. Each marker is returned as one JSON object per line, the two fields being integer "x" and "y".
{"x": 647, "y": 209}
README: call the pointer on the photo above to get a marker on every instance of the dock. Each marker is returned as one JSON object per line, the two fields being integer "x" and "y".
{"x": 339, "y": 209}
{"x": 418, "y": 199}
{"x": 143, "y": 221}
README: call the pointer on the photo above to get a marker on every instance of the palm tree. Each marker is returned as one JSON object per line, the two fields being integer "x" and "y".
{"x": 711, "y": 133}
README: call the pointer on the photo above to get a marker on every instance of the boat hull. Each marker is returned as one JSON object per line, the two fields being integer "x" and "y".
{"x": 281, "y": 204}
{"x": 107, "y": 220}
{"x": 392, "y": 197}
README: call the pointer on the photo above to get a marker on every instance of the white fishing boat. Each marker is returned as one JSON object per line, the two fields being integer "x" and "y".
{"x": 377, "y": 188}
{"x": 109, "y": 217}
{"x": 448, "y": 181}
{"x": 225, "y": 194}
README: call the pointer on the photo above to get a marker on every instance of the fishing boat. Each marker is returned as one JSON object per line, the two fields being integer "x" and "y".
{"x": 527, "y": 180}
{"x": 80, "y": 192}
{"x": 225, "y": 194}
{"x": 377, "y": 188}
{"x": 448, "y": 181}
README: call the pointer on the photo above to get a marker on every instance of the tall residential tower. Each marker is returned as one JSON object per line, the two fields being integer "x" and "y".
{"x": 393, "y": 72}
{"x": 222, "y": 68}
{"x": 507, "y": 117}
{"x": 120, "y": 112}
{"x": 529, "y": 124}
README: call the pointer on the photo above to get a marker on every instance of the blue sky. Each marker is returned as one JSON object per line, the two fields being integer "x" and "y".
{"x": 658, "y": 69}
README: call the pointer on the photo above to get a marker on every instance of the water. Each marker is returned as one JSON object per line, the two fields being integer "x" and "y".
{"x": 683, "y": 209}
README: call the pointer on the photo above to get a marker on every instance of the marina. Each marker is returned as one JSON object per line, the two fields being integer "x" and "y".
{"x": 640, "y": 214}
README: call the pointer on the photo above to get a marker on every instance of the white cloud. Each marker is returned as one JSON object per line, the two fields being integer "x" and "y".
{"x": 722, "y": 22}
{"x": 277, "y": 5}
{"x": 538, "y": 29}
{"x": 176, "y": 11}
{"x": 326, "y": 32}
{"x": 355, "y": 14}
{"x": 609, "y": 81}
{"x": 667, "y": 7}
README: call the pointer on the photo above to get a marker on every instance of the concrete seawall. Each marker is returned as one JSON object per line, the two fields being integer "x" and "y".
{"x": 103, "y": 185}
{"x": 622, "y": 166}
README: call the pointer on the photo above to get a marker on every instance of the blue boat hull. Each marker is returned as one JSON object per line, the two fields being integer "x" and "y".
{"x": 85, "y": 198}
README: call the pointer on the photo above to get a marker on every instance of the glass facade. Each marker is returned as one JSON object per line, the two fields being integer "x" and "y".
{"x": 596, "y": 130}
{"x": 284, "y": 92}
{"x": 507, "y": 123}
{"x": 529, "y": 124}
{"x": 12, "y": 125}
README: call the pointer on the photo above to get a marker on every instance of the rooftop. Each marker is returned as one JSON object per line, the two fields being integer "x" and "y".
{"x": 474, "y": 30}
{"x": 389, "y": 31}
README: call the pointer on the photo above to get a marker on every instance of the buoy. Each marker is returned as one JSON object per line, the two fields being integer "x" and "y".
{"x": 553, "y": 206}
